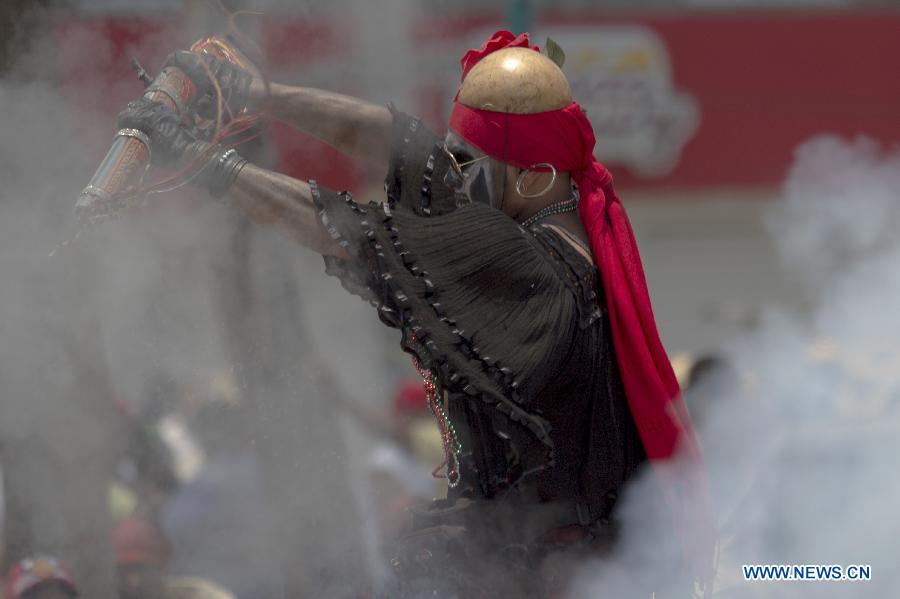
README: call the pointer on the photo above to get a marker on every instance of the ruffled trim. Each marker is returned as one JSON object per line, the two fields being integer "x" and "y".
{"x": 425, "y": 191}
{"x": 397, "y": 309}
{"x": 415, "y": 176}
{"x": 352, "y": 279}
{"x": 508, "y": 402}
{"x": 405, "y": 128}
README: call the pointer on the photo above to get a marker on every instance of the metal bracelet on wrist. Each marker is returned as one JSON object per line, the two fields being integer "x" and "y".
{"x": 221, "y": 171}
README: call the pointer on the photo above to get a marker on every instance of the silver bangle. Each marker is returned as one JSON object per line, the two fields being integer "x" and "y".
{"x": 135, "y": 133}
{"x": 225, "y": 155}
{"x": 96, "y": 191}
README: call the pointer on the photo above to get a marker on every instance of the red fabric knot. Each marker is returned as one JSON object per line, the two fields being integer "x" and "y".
{"x": 500, "y": 40}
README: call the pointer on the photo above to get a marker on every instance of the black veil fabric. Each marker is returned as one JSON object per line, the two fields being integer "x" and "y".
{"x": 511, "y": 322}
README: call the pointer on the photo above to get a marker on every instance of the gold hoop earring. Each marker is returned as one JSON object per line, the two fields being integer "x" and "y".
{"x": 521, "y": 179}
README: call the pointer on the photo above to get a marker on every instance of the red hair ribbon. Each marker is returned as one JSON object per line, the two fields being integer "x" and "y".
{"x": 565, "y": 139}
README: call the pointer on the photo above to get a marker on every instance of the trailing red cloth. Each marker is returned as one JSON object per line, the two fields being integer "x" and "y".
{"x": 565, "y": 139}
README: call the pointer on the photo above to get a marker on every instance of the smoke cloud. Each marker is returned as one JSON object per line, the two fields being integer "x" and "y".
{"x": 801, "y": 451}
{"x": 801, "y": 454}
{"x": 179, "y": 288}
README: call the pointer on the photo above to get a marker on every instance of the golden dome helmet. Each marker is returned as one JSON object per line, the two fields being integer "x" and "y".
{"x": 515, "y": 81}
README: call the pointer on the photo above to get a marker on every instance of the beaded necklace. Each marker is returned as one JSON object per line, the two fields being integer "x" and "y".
{"x": 568, "y": 205}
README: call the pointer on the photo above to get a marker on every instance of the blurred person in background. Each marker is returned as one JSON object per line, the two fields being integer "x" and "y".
{"x": 407, "y": 448}
{"x": 219, "y": 522}
{"x": 40, "y": 577}
{"x": 144, "y": 469}
{"x": 416, "y": 434}
{"x": 168, "y": 405}
{"x": 712, "y": 379}
{"x": 142, "y": 555}
{"x": 506, "y": 259}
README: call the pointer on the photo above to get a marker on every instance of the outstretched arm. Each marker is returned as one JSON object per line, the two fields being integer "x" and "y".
{"x": 266, "y": 197}
{"x": 355, "y": 127}
{"x": 286, "y": 203}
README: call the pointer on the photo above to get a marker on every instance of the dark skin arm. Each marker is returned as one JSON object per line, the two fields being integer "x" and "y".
{"x": 272, "y": 199}
{"x": 357, "y": 128}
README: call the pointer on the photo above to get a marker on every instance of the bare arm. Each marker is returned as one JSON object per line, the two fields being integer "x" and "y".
{"x": 277, "y": 200}
{"x": 355, "y": 127}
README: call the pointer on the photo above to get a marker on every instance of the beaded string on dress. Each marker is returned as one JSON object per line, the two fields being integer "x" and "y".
{"x": 449, "y": 438}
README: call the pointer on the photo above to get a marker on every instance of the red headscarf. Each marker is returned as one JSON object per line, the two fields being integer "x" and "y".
{"x": 565, "y": 139}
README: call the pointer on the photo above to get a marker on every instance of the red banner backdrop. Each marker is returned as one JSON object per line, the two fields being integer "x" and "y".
{"x": 761, "y": 82}
{"x": 294, "y": 47}
{"x": 766, "y": 82}
{"x": 93, "y": 53}
{"x": 686, "y": 99}
{"x": 93, "y": 69}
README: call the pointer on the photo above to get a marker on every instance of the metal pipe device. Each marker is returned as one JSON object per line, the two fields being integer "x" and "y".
{"x": 128, "y": 157}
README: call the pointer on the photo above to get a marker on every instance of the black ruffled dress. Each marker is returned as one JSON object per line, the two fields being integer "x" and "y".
{"x": 511, "y": 322}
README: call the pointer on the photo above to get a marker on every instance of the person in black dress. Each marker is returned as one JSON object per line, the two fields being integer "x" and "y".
{"x": 489, "y": 273}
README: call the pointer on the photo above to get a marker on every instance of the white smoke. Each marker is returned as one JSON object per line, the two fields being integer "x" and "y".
{"x": 145, "y": 295}
{"x": 802, "y": 456}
